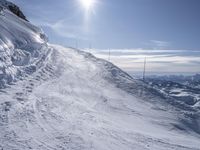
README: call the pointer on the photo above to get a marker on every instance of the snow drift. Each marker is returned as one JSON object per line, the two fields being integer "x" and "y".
{"x": 53, "y": 97}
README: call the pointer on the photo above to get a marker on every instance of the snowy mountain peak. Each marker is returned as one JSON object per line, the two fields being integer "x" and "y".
{"x": 20, "y": 43}
{"x": 13, "y": 8}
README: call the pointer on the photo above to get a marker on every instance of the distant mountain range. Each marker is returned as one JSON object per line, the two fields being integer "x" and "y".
{"x": 183, "y": 88}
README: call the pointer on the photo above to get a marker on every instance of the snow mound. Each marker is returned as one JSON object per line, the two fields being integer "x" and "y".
{"x": 56, "y": 98}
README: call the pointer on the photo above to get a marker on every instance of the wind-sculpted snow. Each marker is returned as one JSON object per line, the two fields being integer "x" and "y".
{"x": 22, "y": 45}
{"x": 70, "y": 102}
{"x": 56, "y": 98}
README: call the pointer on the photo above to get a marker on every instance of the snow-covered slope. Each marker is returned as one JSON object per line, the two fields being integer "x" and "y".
{"x": 59, "y": 98}
{"x": 21, "y": 45}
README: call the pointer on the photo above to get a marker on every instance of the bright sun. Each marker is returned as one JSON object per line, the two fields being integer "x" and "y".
{"x": 87, "y": 4}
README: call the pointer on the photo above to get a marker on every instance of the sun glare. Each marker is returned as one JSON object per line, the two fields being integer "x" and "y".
{"x": 87, "y": 4}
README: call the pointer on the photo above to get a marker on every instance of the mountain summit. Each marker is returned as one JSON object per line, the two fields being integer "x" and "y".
{"x": 13, "y": 8}
{"x": 57, "y": 98}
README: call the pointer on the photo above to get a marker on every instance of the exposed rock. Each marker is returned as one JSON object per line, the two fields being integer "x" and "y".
{"x": 13, "y": 8}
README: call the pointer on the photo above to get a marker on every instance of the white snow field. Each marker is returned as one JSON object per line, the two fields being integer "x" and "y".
{"x": 56, "y": 98}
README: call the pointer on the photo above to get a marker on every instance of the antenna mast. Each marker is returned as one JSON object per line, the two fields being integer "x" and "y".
{"x": 90, "y": 47}
{"x": 109, "y": 55}
{"x": 144, "y": 71}
{"x": 76, "y": 43}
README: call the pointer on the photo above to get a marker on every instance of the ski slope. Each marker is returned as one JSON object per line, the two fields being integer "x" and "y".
{"x": 56, "y": 98}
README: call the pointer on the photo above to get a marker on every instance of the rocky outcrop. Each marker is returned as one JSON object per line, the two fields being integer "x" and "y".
{"x": 13, "y": 8}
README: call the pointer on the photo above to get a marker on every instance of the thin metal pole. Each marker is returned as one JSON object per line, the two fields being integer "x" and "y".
{"x": 109, "y": 55}
{"x": 90, "y": 47}
{"x": 76, "y": 44}
{"x": 144, "y": 71}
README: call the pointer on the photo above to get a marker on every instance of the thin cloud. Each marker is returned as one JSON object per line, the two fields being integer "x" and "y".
{"x": 160, "y": 43}
{"x": 157, "y": 44}
{"x": 65, "y": 29}
{"x": 158, "y": 60}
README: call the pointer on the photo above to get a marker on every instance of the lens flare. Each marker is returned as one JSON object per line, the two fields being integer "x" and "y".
{"x": 87, "y": 4}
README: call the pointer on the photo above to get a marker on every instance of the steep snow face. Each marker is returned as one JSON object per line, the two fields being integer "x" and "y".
{"x": 55, "y": 98}
{"x": 21, "y": 45}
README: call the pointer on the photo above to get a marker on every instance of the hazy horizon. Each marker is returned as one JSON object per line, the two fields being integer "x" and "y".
{"x": 158, "y": 61}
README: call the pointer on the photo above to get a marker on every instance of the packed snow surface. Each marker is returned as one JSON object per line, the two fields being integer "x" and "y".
{"x": 56, "y": 98}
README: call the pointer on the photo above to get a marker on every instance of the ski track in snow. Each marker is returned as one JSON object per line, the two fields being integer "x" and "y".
{"x": 67, "y": 104}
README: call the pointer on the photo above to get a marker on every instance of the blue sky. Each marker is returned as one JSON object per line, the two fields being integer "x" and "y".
{"x": 148, "y": 24}
{"x": 124, "y": 24}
